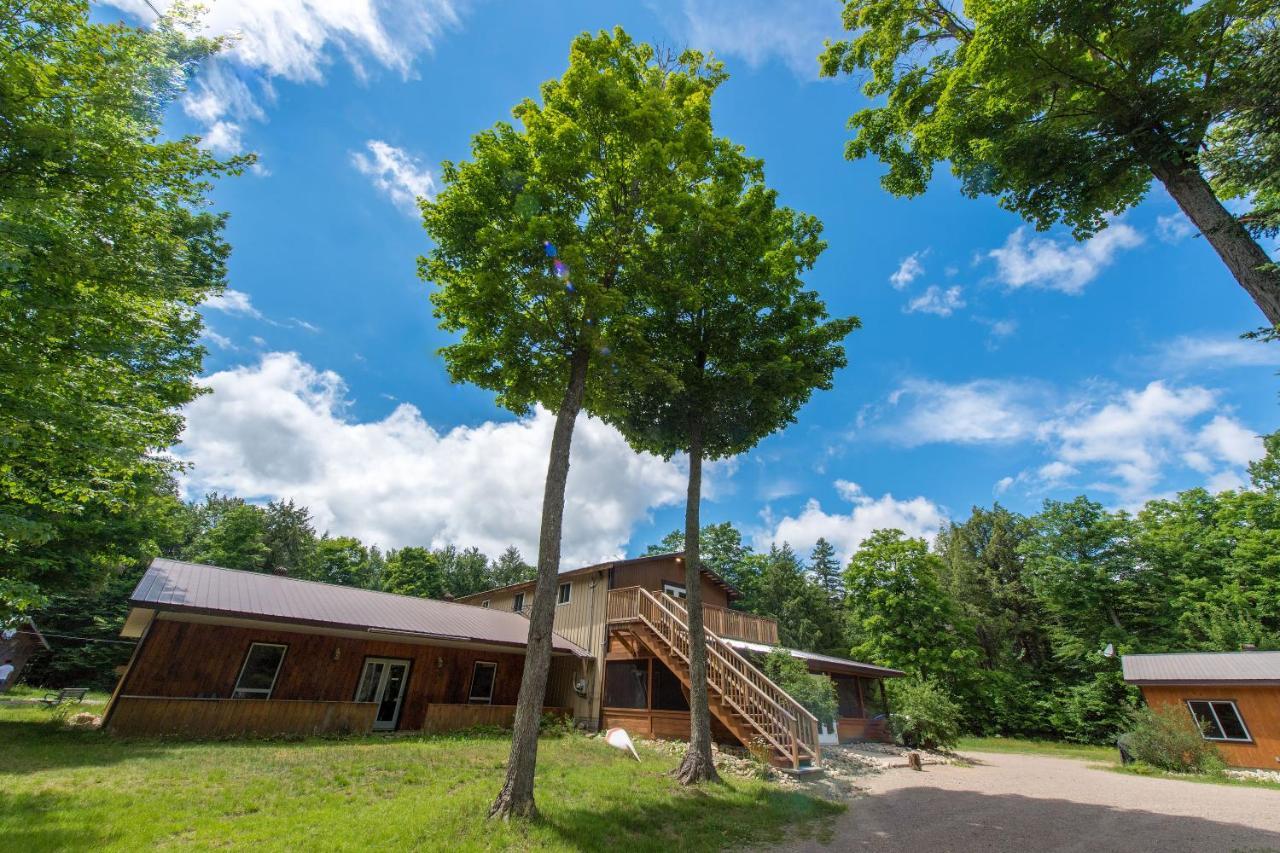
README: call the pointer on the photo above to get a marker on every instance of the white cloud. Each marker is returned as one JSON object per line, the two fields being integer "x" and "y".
{"x": 1128, "y": 442}
{"x": 937, "y": 301}
{"x": 1225, "y": 439}
{"x": 1058, "y": 265}
{"x": 296, "y": 40}
{"x": 232, "y": 301}
{"x": 908, "y": 270}
{"x": 917, "y": 516}
{"x": 220, "y": 341}
{"x": 396, "y": 173}
{"x": 984, "y": 410}
{"x": 281, "y": 428}
{"x": 1135, "y": 439}
{"x": 1214, "y": 351}
{"x": 1174, "y": 228}
{"x": 759, "y": 31}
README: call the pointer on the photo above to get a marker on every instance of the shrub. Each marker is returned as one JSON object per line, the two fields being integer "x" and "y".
{"x": 817, "y": 693}
{"x": 1168, "y": 738}
{"x": 923, "y": 715}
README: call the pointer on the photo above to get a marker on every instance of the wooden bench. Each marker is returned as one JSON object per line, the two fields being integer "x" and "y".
{"x": 66, "y": 694}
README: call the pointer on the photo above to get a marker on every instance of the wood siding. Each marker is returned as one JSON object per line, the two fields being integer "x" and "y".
{"x": 580, "y": 621}
{"x": 663, "y": 725}
{"x": 197, "y": 660}
{"x": 851, "y": 729}
{"x": 449, "y": 718}
{"x": 650, "y": 575}
{"x": 1258, "y": 706}
{"x": 151, "y": 716}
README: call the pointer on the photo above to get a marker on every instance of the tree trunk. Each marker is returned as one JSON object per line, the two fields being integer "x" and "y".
{"x": 698, "y": 765}
{"x": 1247, "y": 261}
{"x": 516, "y": 797}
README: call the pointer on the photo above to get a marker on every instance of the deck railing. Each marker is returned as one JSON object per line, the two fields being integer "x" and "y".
{"x": 782, "y": 721}
{"x": 736, "y": 625}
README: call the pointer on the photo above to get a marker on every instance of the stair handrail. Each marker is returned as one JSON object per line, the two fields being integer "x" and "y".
{"x": 795, "y": 731}
{"x": 802, "y": 713}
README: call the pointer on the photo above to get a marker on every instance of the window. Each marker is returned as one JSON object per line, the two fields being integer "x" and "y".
{"x": 626, "y": 684}
{"x": 562, "y": 594}
{"x": 485, "y": 604}
{"x": 482, "y": 678}
{"x": 1219, "y": 720}
{"x": 675, "y": 590}
{"x": 518, "y": 602}
{"x": 258, "y": 675}
{"x": 668, "y": 692}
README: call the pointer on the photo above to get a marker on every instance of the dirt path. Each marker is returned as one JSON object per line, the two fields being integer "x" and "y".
{"x": 1031, "y": 803}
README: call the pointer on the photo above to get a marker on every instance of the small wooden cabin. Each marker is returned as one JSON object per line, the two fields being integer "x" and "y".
{"x": 629, "y": 615}
{"x": 1233, "y": 696}
{"x": 18, "y": 642}
{"x": 223, "y": 652}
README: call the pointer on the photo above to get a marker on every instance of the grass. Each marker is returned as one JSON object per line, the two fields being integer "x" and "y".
{"x": 1219, "y": 778}
{"x": 82, "y": 790}
{"x": 1051, "y": 748}
{"x": 1105, "y": 755}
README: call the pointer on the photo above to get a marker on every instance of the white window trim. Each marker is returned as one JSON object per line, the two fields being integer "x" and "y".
{"x": 671, "y": 587}
{"x": 517, "y": 602}
{"x": 568, "y": 588}
{"x": 258, "y": 692}
{"x": 485, "y": 604}
{"x": 487, "y": 700}
{"x": 1248, "y": 738}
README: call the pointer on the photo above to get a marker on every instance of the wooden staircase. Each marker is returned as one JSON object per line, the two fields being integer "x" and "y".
{"x": 740, "y": 696}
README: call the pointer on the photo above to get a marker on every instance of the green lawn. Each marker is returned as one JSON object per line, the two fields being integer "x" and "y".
{"x": 69, "y": 790}
{"x": 1056, "y": 749}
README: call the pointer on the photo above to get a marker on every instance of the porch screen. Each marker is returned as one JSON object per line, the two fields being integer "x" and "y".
{"x": 850, "y": 705}
{"x": 626, "y": 684}
{"x": 872, "y": 697}
{"x": 668, "y": 692}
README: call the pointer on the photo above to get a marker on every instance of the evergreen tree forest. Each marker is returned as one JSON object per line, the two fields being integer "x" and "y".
{"x": 1023, "y": 619}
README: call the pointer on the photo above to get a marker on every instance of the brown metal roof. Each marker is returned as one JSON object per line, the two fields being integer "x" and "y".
{"x": 1202, "y": 668}
{"x": 828, "y": 663}
{"x": 193, "y": 587}
{"x": 729, "y": 588}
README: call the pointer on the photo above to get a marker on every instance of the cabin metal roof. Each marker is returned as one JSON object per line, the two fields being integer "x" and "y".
{"x": 827, "y": 663}
{"x": 732, "y": 591}
{"x": 1203, "y": 668}
{"x": 211, "y": 590}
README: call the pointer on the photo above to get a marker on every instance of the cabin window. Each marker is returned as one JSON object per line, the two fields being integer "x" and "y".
{"x": 668, "y": 692}
{"x": 1219, "y": 720}
{"x": 483, "y": 675}
{"x": 517, "y": 603}
{"x": 485, "y": 604}
{"x": 847, "y": 699}
{"x": 626, "y": 684}
{"x": 562, "y": 594}
{"x": 258, "y": 675}
{"x": 675, "y": 590}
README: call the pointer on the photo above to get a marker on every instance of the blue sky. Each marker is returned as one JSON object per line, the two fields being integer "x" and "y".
{"x": 993, "y": 362}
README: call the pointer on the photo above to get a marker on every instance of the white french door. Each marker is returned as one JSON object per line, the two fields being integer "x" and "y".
{"x": 383, "y": 681}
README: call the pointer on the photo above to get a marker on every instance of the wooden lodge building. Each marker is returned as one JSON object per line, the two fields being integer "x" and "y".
{"x": 1233, "y": 696}
{"x": 628, "y": 615}
{"x": 223, "y": 652}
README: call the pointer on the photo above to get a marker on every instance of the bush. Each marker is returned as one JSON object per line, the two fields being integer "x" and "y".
{"x": 923, "y": 715}
{"x": 1168, "y": 738}
{"x": 817, "y": 693}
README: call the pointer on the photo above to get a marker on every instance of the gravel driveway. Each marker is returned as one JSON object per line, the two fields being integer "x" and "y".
{"x": 1032, "y": 803}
